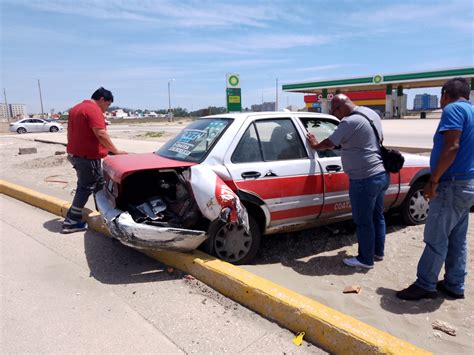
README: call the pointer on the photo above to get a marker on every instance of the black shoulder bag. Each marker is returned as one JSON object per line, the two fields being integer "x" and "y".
{"x": 392, "y": 159}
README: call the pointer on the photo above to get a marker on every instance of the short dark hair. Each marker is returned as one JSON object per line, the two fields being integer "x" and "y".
{"x": 101, "y": 92}
{"x": 456, "y": 88}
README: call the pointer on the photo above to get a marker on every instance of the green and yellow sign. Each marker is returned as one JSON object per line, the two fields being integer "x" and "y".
{"x": 233, "y": 93}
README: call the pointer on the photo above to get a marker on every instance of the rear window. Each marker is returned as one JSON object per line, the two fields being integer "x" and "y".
{"x": 194, "y": 142}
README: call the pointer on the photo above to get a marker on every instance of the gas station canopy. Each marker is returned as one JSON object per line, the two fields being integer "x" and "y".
{"x": 378, "y": 81}
{"x": 390, "y": 100}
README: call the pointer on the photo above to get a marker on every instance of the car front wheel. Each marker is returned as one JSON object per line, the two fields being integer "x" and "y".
{"x": 21, "y": 130}
{"x": 53, "y": 129}
{"x": 231, "y": 243}
{"x": 415, "y": 207}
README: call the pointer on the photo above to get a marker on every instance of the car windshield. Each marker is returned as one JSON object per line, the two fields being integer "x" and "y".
{"x": 194, "y": 142}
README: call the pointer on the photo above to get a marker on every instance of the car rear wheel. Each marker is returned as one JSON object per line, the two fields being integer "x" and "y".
{"x": 54, "y": 129}
{"x": 21, "y": 130}
{"x": 231, "y": 243}
{"x": 415, "y": 207}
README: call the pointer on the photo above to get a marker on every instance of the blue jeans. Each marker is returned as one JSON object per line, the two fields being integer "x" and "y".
{"x": 445, "y": 236}
{"x": 367, "y": 212}
{"x": 89, "y": 180}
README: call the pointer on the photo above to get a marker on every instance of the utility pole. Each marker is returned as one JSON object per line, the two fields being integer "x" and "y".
{"x": 276, "y": 95}
{"x": 41, "y": 100}
{"x": 6, "y": 105}
{"x": 170, "y": 114}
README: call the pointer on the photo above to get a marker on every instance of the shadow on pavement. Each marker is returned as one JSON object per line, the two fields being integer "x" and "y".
{"x": 286, "y": 247}
{"x": 54, "y": 225}
{"x": 289, "y": 248}
{"x": 324, "y": 265}
{"x": 111, "y": 262}
{"x": 392, "y": 304}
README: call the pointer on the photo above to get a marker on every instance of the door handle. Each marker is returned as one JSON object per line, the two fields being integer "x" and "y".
{"x": 331, "y": 168}
{"x": 251, "y": 175}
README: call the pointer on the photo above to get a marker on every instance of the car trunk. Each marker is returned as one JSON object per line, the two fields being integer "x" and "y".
{"x": 162, "y": 198}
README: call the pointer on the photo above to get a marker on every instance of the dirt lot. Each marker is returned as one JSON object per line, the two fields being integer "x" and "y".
{"x": 308, "y": 262}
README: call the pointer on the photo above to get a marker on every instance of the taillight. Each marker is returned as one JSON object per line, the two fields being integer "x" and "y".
{"x": 111, "y": 185}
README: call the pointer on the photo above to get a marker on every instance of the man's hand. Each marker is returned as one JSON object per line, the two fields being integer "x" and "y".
{"x": 105, "y": 140}
{"x": 430, "y": 190}
{"x": 312, "y": 139}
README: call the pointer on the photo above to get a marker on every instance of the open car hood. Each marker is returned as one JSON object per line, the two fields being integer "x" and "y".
{"x": 119, "y": 166}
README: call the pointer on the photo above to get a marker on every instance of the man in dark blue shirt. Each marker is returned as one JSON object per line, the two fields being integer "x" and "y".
{"x": 451, "y": 194}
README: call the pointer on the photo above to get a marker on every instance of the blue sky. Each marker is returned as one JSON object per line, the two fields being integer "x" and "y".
{"x": 134, "y": 47}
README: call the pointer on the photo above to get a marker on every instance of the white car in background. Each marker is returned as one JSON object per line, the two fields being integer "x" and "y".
{"x": 35, "y": 125}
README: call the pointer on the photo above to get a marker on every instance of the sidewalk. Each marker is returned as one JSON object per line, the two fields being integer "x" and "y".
{"x": 83, "y": 293}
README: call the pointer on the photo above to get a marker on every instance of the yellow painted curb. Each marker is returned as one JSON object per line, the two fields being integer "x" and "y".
{"x": 324, "y": 326}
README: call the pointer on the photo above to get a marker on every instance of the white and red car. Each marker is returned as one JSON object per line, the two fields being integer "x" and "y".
{"x": 227, "y": 179}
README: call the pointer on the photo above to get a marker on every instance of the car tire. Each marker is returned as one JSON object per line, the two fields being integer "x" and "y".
{"x": 231, "y": 243}
{"x": 54, "y": 129}
{"x": 415, "y": 208}
{"x": 21, "y": 130}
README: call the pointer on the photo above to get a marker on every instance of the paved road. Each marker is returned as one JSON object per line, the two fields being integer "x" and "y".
{"x": 85, "y": 293}
{"x": 416, "y": 135}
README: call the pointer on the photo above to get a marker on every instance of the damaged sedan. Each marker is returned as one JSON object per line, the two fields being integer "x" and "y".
{"x": 226, "y": 180}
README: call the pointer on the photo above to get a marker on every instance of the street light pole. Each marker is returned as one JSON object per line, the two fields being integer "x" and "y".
{"x": 170, "y": 115}
{"x": 7, "y": 110}
{"x": 41, "y": 100}
{"x": 276, "y": 94}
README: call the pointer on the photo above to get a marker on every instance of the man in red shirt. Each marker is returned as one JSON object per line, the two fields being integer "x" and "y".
{"x": 88, "y": 143}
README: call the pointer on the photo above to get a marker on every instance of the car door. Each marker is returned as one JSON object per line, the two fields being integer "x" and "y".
{"x": 336, "y": 181}
{"x": 37, "y": 125}
{"x": 27, "y": 124}
{"x": 271, "y": 162}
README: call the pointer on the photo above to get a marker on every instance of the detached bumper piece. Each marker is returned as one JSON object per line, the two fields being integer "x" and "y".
{"x": 142, "y": 236}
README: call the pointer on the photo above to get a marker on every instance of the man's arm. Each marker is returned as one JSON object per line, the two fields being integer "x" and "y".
{"x": 105, "y": 140}
{"x": 325, "y": 144}
{"x": 446, "y": 158}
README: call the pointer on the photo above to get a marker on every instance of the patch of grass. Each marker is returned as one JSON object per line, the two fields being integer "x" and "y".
{"x": 152, "y": 134}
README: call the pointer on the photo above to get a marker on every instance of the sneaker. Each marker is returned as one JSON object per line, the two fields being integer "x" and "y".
{"x": 415, "y": 293}
{"x": 378, "y": 258}
{"x": 440, "y": 287}
{"x": 74, "y": 227}
{"x": 356, "y": 263}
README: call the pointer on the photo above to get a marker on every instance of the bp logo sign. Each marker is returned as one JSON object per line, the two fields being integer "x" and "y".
{"x": 233, "y": 81}
{"x": 377, "y": 79}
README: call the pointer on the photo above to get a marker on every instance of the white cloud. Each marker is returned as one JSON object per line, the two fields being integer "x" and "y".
{"x": 402, "y": 17}
{"x": 169, "y": 13}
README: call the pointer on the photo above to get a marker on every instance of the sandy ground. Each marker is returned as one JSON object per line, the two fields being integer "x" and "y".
{"x": 308, "y": 262}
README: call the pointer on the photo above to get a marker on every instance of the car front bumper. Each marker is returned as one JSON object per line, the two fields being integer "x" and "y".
{"x": 143, "y": 236}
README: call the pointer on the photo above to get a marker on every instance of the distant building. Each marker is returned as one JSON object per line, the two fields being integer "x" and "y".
{"x": 425, "y": 102}
{"x": 293, "y": 108}
{"x": 266, "y": 106}
{"x": 120, "y": 113}
{"x": 14, "y": 110}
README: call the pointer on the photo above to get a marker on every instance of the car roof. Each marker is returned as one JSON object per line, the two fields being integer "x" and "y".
{"x": 267, "y": 114}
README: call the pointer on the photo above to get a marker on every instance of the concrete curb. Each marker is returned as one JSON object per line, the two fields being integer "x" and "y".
{"x": 322, "y": 325}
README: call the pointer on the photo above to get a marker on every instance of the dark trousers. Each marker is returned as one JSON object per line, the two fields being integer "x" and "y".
{"x": 89, "y": 180}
